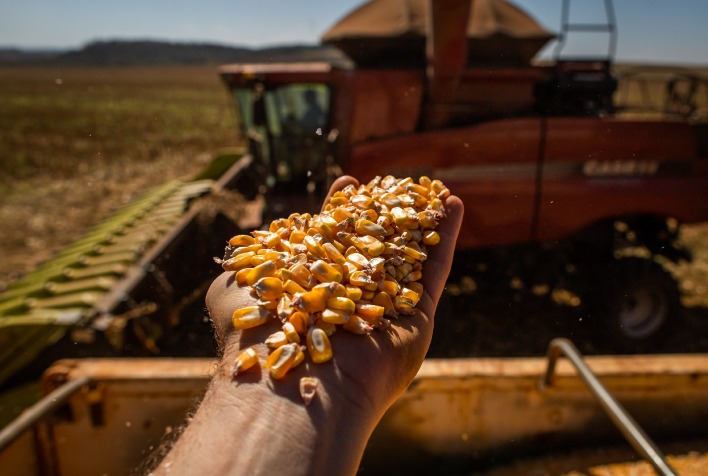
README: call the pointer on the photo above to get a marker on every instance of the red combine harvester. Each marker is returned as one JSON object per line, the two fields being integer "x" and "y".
{"x": 539, "y": 153}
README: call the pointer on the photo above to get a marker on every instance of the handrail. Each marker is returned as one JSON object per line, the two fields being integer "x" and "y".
{"x": 39, "y": 410}
{"x": 634, "y": 434}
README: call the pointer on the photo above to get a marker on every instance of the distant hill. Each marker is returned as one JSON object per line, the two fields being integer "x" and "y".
{"x": 149, "y": 52}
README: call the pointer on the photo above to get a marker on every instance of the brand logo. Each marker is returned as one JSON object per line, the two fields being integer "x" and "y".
{"x": 620, "y": 168}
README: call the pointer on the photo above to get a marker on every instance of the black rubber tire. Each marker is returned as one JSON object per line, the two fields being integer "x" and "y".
{"x": 636, "y": 306}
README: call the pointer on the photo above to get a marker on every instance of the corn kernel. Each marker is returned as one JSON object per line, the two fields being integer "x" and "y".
{"x": 276, "y": 340}
{"x": 335, "y": 316}
{"x": 299, "y": 321}
{"x": 241, "y": 240}
{"x": 311, "y": 301}
{"x": 357, "y": 325}
{"x": 354, "y": 293}
{"x": 237, "y": 262}
{"x": 248, "y": 317}
{"x": 246, "y": 359}
{"x": 269, "y": 288}
{"x": 324, "y": 272}
{"x": 341, "y": 303}
{"x": 281, "y": 360}
{"x": 263, "y": 270}
{"x": 318, "y": 345}
{"x": 431, "y": 238}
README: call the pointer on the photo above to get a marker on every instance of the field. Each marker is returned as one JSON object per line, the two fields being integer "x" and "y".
{"x": 78, "y": 143}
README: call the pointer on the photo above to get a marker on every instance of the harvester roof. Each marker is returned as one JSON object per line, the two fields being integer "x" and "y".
{"x": 393, "y": 32}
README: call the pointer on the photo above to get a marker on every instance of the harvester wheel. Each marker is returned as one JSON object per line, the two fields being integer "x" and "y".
{"x": 637, "y": 305}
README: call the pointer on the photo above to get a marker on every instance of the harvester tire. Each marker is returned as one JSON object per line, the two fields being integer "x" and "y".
{"x": 637, "y": 305}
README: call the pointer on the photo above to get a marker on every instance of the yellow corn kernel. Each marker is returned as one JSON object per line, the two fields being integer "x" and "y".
{"x": 299, "y": 320}
{"x": 291, "y": 287}
{"x": 440, "y": 190}
{"x": 341, "y": 303}
{"x": 416, "y": 188}
{"x": 357, "y": 325}
{"x": 416, "y": 287}
{"x": 369, "y": 311}
{"x": 299, "y": 356}
{"x": 342, "y": 215}
{"x": 324, "y": 272}
{"x": 404, "y": 305}
{"x": 335, "y": 316}
{"x": 256, "y": 247}
{"x": 385, "y": 301}
{"x": 406, "y": 200}
{"x": 314, "y": 247}
{"x": 437, "y": 205}
{"x": 410, "y": 294}
{"x": 276, "y": 340}
{"x": 354, "y": 293}
{"x": 291, "y": 334}
{"x": 238, "y": 261}
{"x": 367, "y": 227}
{"x": 369, "y": 214}
{"x": 367, "y": 295}
{"x": 302, "y": 276}
{"x": 363, "y": 280}
{"x": 296, "y": 236}
{"x": 332, "y": 289}
{"x": 338, "y": 201}
{"x": 428, "y": 219}
{"x": 278, "y": 257}
{"x": 412, "y": 276}
{"x": 241, "y": 276}
{"x": 431, "y": 238}
{"x": 248, "y": 317}
{"x": 399, "y": 215}
{"x": 333, "y": 253}
{"x": 241, "y": 240}
{"x": 318, "y": 345}
{"x": 271, "y": 305}
{"x": 284, "y": 308}
{"x": 263, "y": 270}
{"x": 372, "y": 246}
{"x": 269, "y": 288}
{"x": 281, "y": 360}
{"x": 419, "y": 200}
{"x": 425, "y": 181}
{"x": 277, "y": 224}
{"x": 311, "y": 301}
{"x": 389, "y": 287}
{"x": 362, "y": 201}
{"x": 358, "y": 260}
{"x": 327, "y": 327}
{"x": 308, "y": 388}
{"x": 245, "y": 360}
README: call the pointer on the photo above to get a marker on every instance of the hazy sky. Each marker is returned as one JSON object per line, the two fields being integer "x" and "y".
{"x": 670, "y": 31}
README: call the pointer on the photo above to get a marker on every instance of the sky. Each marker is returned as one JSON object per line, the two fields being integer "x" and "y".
{"x": 654, "y": 31}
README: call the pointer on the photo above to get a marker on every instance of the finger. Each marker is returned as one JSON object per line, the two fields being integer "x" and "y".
{"x": 339, "y": 184}
{"x": 437, "y": 266}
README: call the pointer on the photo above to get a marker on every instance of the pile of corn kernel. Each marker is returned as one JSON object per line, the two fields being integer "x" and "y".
{"x": 355, "y": 265}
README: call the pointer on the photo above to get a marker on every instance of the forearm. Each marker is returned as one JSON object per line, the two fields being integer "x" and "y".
{"x": 254, "y": 425}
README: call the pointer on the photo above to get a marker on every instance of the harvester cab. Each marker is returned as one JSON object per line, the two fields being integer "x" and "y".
{"x": 286, "y": 121}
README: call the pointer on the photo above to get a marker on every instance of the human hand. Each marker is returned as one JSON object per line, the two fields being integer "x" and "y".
{"x": 371, "y": 370}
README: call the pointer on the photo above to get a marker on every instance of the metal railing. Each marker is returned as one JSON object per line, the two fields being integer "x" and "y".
{"x": 629, "y": 428}
{"x": 40, "y": 410}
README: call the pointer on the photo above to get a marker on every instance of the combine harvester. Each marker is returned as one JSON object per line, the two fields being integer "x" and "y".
{"x": 542, "y": 157}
